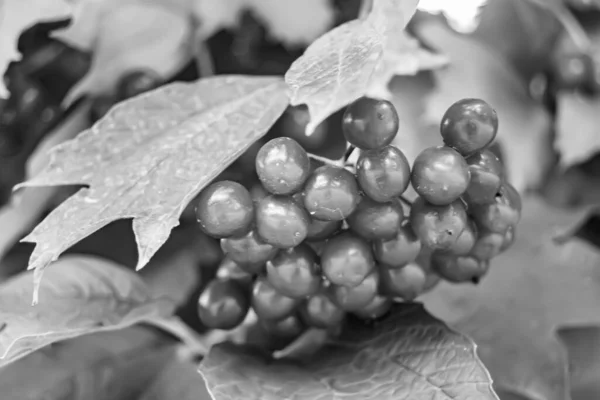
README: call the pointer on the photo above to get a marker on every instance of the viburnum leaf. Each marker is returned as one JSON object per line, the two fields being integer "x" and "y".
{"x": 80, "y": 295}
{"x": 524, "y": 125}
{"x": 409, "y": 355}
{"x": 149, "y": 157}
{"x": 339, "y": 66}
{"x": 577, "y": 128}
{"x": 18, "y": 15}
{"x": 533, "y": 289}
{"x": 125, "y": 36}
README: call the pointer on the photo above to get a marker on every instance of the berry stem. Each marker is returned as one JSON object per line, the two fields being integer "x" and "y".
{"x": 405, "y": 200}
{"x": 327, "y": 161}
{"x": 365, "y": 9}
{"x": 349, "y": 152}
{"x": 204, "y": 61}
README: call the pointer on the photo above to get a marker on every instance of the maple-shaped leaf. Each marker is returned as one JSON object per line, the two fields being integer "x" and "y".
{"x": 409, "y": 355}
{"x": 339, "y": 67}
{"x": 127, "y": 36}
{"x": 475, "y": 71}
{"x": 18, "y": 15}
{"x": 80, "y": 295}
{"x": 149, "y": 157}
{"x": 534, "y": 288}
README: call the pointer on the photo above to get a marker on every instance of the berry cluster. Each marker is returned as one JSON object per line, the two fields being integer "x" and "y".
{"x": 310, "y": 243}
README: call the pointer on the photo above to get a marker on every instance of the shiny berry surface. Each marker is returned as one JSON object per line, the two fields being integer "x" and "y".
{"x": 295, "y": 272}
{"x": 354, "y": 298}
{"x": 370, "y": 123}
{"x": 407, "y": 282}
{"x": 331, "y": 193}
{"x": 466, "y": 240}
{"x": 509, "y": 238}
{"x": 440, "y": 175}
{"x": 438, "y": 227}
{"x": 459, "y": 268}
{"x": 224, "y": 209}
{"x": 223, "y": 304}
{"x": 249, "y": 251}
{"x": 347, "y": 259}
{"x": 137, "y": 82}
{"x": 268, "y": 303}
{"x": 320, "y": 311}
{"x": 499, "y": 215}
{"x": 383, "y": 173}
{"x": 487, "y": 246}
{"x": 282, "y": 165}
{"x": 486, "y": 177}
{"x": 229, "y": 269}
{"x": 372, "y": 220}
{"x": 403, "y": 248}
{"x": 469, "y": 125}
{"x": 289, "y": 327}
{"x": 377, "y": 308}
{"x": 321, "y": 230}
{"x": 281, "y": 221}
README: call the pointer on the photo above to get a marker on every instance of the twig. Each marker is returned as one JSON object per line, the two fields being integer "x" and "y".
{"x": 204, "y": 61}
{"x": 349, "y": 152}
{"x": 405, "y": 201}
{"x": 365, "y": 9}
{"x": 327, "y": 161}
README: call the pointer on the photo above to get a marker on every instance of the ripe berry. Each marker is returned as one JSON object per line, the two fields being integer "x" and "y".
{"x": 293, "y": 124}
{"x": 465, "y": 242}
{"x": 486, "y": 177}
{"x": 354, "y": 298}
{"x": 469, "y": 125}
{"x": 224, "y": 209}
{"x": 229, "y": 269}
{"x": 499, "y": 215}
{"x": 295, "y": 272}
{"x": 377, "y": 308}
{"x": 372, "y": 220}
{"x": 459, "y": 268}
{"x": 321, "y": 230}
{"x": 513, "y": 196}
{"x": 509, "y": 238}
{"x": 400, "y": 250}
{"x": 487, "y": 246}
{"x": 289, "y": 327}
{"x": 137, "y": 82}
{"x": 347, "y": 259}
{"x": 407, "y": 282}
{"x": 438, "y": 227}
{"x": 331, "y": 193}
{"x": 321, "y": 312}
{"x": 370, "y": 124}
{"x": 440, "y": 175}
{"x": 223, "y": 304}
{"x": 281, "y": 222}
{"x": 268, "y": 303}
{"x": 249, "y": 251}
{"x": 383, "y": 174}
{"x": 282, "y": 165}
{"x": 573, "y": 71}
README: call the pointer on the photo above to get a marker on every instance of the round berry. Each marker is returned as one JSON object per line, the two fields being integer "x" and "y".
{"x": 370, "y": 123}
{"x": 295, "y": 272}
{"x": 377, "y": 308}
{"x": 289, "y": 327}
{"x": 137, "y": 82}
{"x": 293, "y": 124}
{"x": 320, "y": 311}
{"x": 459, "y": 268}
{"x": 487, "y": 246}
{"x": 281, "y": 222}
{"x": 347, "y": 259}
{"x": 499, "y": 215}
{"x": 465, "y": 242}
{"x": 469, "y": 125}
{"x": 257, "y": 193}
{"x": 269, "y": 303}
{"x": 224, "y": 209}
{"x": 513, "y": 196}
{"x": 229, "y": 269}
{"x": 249, "y": 251}
{"x": 573, "y": 71}
{"x": 223, "y": 304}
{"x": 486, "y": 177}
{"x": 354, "y": 298}
{"x": 440, "y": 175}
{"x": 372, "y": 220}
{"x": 438, "y": 227}
{"x": 383, "y": 174}
{"x": 509, "y": 238}
{"x": 407, "y": 282}
{"x": 282, "y": 165}
{"x": 331, "y": 193}
{"x": 400, "y": 250}
{"x": 321, "y": 230}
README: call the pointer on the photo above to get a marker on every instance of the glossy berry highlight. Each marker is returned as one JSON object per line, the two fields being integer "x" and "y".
{"x": 370, "y": 123}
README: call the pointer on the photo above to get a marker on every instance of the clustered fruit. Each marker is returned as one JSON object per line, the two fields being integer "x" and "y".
{"x": 313, "y": 243}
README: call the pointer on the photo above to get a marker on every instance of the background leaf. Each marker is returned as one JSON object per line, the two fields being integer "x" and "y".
{"x": 149, "y": 156}
{"x": 408, "y": 355}
{"x": 531, "y": 290}
{"x": 583, "y": 351}
{"x": 337, "y": 68}
{"x": 80, "y": 295}
{"x": 18, "y": 15}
